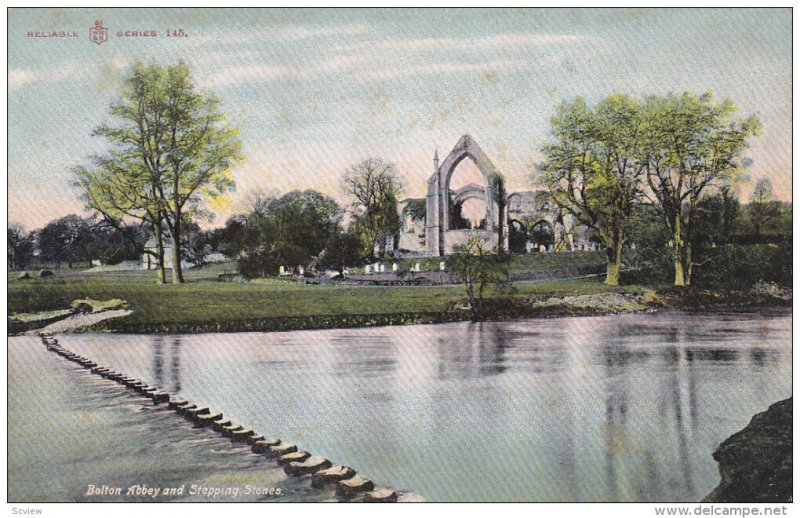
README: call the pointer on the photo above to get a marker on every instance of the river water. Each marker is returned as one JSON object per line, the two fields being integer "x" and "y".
{"x": 612, "y": 408}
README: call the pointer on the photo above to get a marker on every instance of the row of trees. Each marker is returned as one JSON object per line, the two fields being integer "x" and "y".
{"x": 605, "y": 162}
{"x": 170, "y": 149}
{"x": 70, "y": 240}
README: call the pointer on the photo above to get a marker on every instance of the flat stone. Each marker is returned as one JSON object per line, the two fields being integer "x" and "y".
{"x": 282, "y": 449}
{"x": 218, "y": 425}
{"x": 295, "y": 456}
{"x": 228, "y": 430}
{"x": 161, "y": 397}
{"x": 241, "y": 435}
{"x": 263, "y": 445}
{"x": 174, "y": 403}
{"x": 347, "y": 489}
{"x": 252, "y": 439}
{"x": 306, "y": 467}
{"x": 181, "y": 410}
{"x": 383, "y": 494}
{"x": 207, "y": 419}
{"x": 196, "y": 412}
{"x": 331, "y": 475}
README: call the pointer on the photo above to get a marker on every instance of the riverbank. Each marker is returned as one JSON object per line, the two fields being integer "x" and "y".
{"x": 204, "y": 305}
{"x": 755, "y": 464}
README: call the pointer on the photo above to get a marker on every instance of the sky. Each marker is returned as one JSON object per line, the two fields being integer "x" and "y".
{"x": 314, "y": 91}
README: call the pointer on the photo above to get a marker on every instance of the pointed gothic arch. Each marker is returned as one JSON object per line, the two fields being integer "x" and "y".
{"x": 438, "y": 236}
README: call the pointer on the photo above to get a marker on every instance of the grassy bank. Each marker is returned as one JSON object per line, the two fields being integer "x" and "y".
{"x": 203, "y": 304}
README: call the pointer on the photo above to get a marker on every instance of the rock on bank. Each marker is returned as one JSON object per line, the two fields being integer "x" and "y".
{"x": 755, "y": 464}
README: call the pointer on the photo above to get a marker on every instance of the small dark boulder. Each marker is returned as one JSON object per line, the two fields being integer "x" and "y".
{"x": 46, "y": 273}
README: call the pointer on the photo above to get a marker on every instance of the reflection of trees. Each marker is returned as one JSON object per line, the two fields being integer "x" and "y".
{"x": 158, "y": 360}
{"x": 481, "y": 352}
{"x": 166, "y": 371}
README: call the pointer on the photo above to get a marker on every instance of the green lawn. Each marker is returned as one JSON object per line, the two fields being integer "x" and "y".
{"x": 203, "y": 299}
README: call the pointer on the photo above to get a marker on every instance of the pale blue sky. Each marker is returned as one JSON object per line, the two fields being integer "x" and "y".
{"x": 316, "y": 90}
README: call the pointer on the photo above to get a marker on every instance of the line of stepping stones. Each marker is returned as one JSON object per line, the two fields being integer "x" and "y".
{"x": 349, "y": 486}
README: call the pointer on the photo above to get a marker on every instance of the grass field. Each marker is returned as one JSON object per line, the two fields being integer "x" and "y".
{"x": 203, "y": 299}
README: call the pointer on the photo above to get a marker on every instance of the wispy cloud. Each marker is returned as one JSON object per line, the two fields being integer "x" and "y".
{"x": 284, "y": 34}
{"x": 391, "y": 59}
{"x": 512, "y": 40}
{"x": 17, "y": 78}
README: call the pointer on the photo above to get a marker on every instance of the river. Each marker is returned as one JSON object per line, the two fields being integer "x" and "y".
{"x": 612, "y": 408}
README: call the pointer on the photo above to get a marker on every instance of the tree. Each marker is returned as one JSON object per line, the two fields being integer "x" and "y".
{"x": 20, "y": 246}
{"x": 65, "y": 239}
{"x": 477, "y": 266}
{"x": 200, "y": 147}
{"x": 592, "y": 170}
{"x": 692, "y": 145}
{"x": 343, "y": 249}
{"x": 304, "y": 222}
{"x": 170, "y": 150}
{"x": 763, "y": 210}
{"x": 374, "y": 187}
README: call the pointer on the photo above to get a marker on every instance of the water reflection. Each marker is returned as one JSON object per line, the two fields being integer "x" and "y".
{"x": 601, "y": 408}
{"x": 166, "y": 366}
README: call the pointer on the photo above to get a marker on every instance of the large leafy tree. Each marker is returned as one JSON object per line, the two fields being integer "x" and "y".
{"x": 374, "y": 186}
{"x": 693, "y": 144}
{"x": 592, "y": 171}
{"x": 170, "y": 150}
{"x": 200, "y": 147}
{"x": 304, "y": 222}
{"x": 66, "y": 240}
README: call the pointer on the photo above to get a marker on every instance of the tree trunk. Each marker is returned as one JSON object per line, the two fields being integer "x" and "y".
{"x": 612, "y": 266}
{"x": 687, "y": 265}
{"x": 162, "y": 276}
{"x": 177, "y": 271}
{"x": 678, "y": 251}
{"x": 614, "y": 259}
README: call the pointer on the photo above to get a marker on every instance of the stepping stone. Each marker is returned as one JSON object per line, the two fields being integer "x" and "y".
{"x": 252, "y": 439}
{"x": 347, "y": 489}
{"x": 282, "y": 449}
{"x": 176, "y": 402}
{"x": 148, "y": 391}
{"x": 264, "y": 445}
{"x": 206, "y": 419}
{"x": 295, "y": 456}
{"x": 227, "y": 431}
{"x": 161, "y": 397}
{"x": 241, "y": 435}
{"x": 219, "y": 425}
{"x": 383, "y": 494}
{"x": 181, "y": 410}
{"x": 192, "y": 412}
{"x": 306, "y": 467}
{"x": 331, "y": 475}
